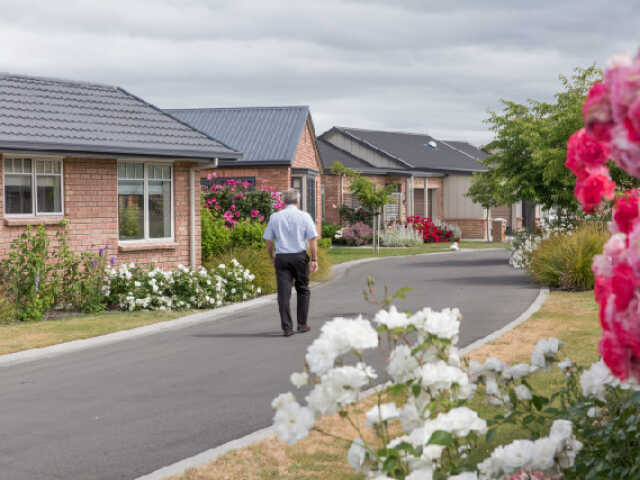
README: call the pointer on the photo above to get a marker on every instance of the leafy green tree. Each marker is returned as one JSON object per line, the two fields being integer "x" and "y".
{"x": 368, "y": 194}
{"x": 526, "y": 160}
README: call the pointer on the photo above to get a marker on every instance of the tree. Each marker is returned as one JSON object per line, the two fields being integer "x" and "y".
{"x": 526, "y": 160}
{"x": 368, "y": 194}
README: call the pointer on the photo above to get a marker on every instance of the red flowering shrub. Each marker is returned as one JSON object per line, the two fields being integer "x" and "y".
{"x": 432, "y": 233}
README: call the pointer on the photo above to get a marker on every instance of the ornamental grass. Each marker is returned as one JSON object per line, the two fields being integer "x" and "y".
{"x": 564, "y": 260}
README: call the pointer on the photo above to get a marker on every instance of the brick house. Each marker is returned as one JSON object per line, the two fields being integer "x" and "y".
{"x": 278, "y": 145}
{"x": 432, "y": 176}
{"x": 120, "y": 171}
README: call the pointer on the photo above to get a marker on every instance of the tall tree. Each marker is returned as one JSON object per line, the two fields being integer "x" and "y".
{"x": 526, "y": 160}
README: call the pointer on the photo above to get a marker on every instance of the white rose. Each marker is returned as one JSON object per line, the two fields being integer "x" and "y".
{"x": 299, "y": 379}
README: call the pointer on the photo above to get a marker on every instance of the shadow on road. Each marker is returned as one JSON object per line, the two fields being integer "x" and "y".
{"x": 510, "y": 280}
{"x": 238, "y": 335}
{"x": 478, "y": 262}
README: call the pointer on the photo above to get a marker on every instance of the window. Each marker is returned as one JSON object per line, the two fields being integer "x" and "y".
{"x": 296, "y": 184}
{"x": 145, "y": 201}
{"x": 311, "y": 197}
{"x": 23, "y": 176}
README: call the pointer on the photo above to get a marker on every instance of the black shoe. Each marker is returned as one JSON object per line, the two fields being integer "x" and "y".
{"x": 288, "y": 333}
{"x": 303, "y": 328}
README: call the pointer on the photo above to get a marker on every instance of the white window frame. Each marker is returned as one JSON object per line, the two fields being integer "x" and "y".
{"x": 34, "y": 185}
{"x": 145, "y": 202}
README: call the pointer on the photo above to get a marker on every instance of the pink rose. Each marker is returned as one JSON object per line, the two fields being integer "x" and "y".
{"x": 594, "y": 188}
{"x": 584, "y": 151}
{"x": 623, "y": 286}
{"x": 626, "y": 212}
{"x": 615, "y": 356}
{"x": 597, "y": 114}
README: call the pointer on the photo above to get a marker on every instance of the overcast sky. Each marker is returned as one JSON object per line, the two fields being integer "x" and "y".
{"x": 410, "y": 65}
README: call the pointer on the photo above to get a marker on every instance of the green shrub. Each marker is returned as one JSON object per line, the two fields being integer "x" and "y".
{"x": 258, "y": 262}
{"x": 350, "y": 215}
{"x": 324, "y": 243}
{"x": 7, "y": 312}
{"x": 564, "y": 260}
{"x": 215, "y": 236}
{"x": 247, "y": 234}
{"x": 329, "y": 230}
{"x": 26, "y": 275}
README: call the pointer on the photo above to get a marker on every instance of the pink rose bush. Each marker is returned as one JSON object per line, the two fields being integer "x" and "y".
{"x": 235, "y": 201}
{"x": 611, "y": 114}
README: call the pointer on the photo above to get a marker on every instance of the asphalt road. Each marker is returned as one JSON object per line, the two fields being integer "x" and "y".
{"x": 126, "y": 409}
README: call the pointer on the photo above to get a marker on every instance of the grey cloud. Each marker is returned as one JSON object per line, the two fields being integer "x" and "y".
{"x": 401, "y": 65}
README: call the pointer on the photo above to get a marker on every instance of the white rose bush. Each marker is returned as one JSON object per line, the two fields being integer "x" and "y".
{"x": 434, "y": 432}
{"x": 131, "y": 287}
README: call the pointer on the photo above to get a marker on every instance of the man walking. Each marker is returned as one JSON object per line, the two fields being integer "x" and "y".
{"x": 291, "y": 228}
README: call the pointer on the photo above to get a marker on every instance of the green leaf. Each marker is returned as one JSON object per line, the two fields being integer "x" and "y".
{"x": 441, "y": 437}
{"x": 491, "y": 435}
{"x": 539, "y": 401}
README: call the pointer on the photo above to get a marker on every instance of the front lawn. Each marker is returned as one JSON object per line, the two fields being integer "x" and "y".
{"x": 346, "y": 254}
{"x": 15, "y": 337}
{"x": 571, "y": 317}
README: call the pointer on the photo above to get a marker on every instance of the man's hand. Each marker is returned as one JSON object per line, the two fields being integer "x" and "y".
{"x": 314, "y": 267}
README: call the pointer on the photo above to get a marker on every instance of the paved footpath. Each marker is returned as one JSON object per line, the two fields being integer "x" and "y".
{"x": 122, "y": 410}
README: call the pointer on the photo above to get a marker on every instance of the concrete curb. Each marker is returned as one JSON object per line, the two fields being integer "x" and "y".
{"x": 260, "y": 435}
{"x": 189, "y": 320}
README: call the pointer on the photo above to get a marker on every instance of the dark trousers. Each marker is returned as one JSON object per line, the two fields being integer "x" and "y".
{"x": 293, "y": 267}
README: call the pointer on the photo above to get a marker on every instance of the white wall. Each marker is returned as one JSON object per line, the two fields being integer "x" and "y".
{"x": 456, "y": 204}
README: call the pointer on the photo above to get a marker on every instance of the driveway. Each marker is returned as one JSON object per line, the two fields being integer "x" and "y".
{"x": 126, "y": 409}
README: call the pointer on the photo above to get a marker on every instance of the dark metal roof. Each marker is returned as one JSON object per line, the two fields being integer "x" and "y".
{"x": 416, "y": 150}
{"x": 466, "y": 147}
{"x": 330, "y": 154}
{"x": 53, "y": 115}
{"x": 264, "y": 135}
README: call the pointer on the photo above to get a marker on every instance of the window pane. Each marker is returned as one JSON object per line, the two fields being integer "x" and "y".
{"x": 131, "y": 209}
{"x": 26, "y": 165}
{"x": 40, "y": 166}
{"x": 49, "y": 194}
{"x": 159, "y": 209}
{"x": 8, "y": 165}
{"x": 56, "y": 166}
{"x": 17, "y": 194}
{"x": 122, "y": 170}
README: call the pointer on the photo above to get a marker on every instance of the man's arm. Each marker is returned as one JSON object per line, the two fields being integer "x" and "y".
{"x": 272, "y": 256}
{"x": 313, "y": 245}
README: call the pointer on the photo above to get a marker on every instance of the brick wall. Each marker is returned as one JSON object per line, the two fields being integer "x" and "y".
{"x": 307, "y": 157}
{"x": 470, "y": 227}
{"x": 277, "y": 177}
{"x": 90, "y": 206}
{"x": 331, "y": 197}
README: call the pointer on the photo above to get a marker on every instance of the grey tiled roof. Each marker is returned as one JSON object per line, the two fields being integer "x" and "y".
{"x": 46, "y": 114}
{"x": 264, "y": 135}
{"x": 414, "y": 150}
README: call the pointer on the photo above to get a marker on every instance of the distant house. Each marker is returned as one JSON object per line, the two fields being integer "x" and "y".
{"x": 278, "y": 146}
{"x": 119, "y": 170}
{"x": 432, "y": 176}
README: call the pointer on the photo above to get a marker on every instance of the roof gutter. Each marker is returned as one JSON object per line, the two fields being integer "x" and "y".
{"x": 189, "y": 156}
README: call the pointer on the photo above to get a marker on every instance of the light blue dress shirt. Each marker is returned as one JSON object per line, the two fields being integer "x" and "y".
{"x": 291, "y": 228}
